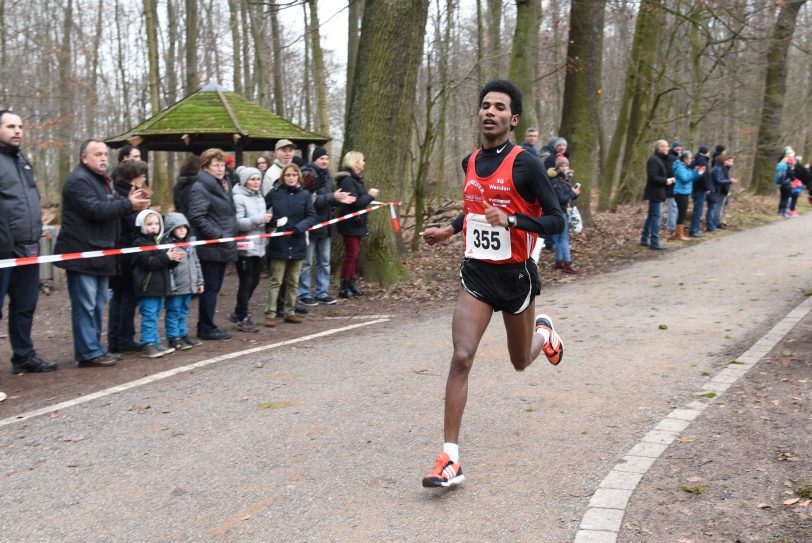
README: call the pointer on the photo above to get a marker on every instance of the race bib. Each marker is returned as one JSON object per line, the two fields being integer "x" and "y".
{"x": 486, "y": 242}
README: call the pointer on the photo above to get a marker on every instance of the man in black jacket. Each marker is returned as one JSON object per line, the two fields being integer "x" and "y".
{"x": 18, "y": 191}
{"x": 91, "y": 218}
{"x": 657, "y": 180}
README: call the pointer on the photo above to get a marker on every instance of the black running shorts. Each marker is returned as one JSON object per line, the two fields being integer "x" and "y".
{"x": 504, "y": 287}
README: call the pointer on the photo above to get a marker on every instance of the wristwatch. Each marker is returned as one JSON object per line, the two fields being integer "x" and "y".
{"x": 511, "y": 221}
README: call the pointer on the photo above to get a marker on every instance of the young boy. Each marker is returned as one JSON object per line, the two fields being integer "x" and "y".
{"x": 152, "y": 277}
{"x": 187, "y": 279}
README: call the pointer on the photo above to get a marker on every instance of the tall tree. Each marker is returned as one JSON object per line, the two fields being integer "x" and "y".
{"x": 236, "y": 49}
{"x": 494, "y": 39}
{"x": 524, "y": 58}
{"x": 65, "y": 72}
{"x": 192, "y": 24}
{"x": 381, "y": 112}
{"x": 768, "y": 142}
{"x": 319, "y": 74}
{"x": 161, "y": 185}
{"x": 354, "y": 17}
{"x": 93, "y": 95}
{"x": 581, "y": 112}
{"x": 276, "y": 40}
{"x": 258, "y": 31}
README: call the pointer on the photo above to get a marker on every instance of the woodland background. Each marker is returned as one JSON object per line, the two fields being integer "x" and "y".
{"x": 611, "y": 76}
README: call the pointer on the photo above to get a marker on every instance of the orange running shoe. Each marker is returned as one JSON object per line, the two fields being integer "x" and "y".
{"x": 444, "y": 474}
{"x": 554, "y": 347}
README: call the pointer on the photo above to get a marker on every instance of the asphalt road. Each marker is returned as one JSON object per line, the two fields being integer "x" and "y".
{"x": 327, "y": 439}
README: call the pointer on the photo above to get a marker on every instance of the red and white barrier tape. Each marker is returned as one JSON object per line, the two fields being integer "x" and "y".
{"x": 26, "y": 261}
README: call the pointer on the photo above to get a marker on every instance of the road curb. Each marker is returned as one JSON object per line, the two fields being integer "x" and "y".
{"x": 607, "y": 506}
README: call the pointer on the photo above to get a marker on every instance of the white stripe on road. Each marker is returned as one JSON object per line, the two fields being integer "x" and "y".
{"x": 176, "y": 371}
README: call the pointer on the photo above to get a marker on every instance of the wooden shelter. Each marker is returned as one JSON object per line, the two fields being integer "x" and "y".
{"x": 212, "y": 117}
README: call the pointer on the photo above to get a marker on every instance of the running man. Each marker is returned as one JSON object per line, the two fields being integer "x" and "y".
{"x": 508, "y": 202}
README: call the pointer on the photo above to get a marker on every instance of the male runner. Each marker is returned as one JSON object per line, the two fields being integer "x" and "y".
{"x": 508, "y": 201}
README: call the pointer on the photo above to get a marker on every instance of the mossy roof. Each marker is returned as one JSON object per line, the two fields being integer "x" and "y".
{"x": 206, "y": 113}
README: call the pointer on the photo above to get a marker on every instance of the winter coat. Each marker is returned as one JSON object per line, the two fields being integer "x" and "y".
{"x": 324, "y": 200}
{"x": 271, "y": 177}
{"x": 720, "y": 181}
{"x": 781, "y": 175}
{"x": 563, "y": 190}
{"x": 187, "y": 275}
{"x": 354, "y": 184}
{"x": 127, "y": 234}
{"x": 673, "y": 157}
{"x": 656, "y": 178}
{"x": 295, "y": 204}
{"x": 180, "y": 194}
{"x": 685, "y": 178}
{"x": 702, "y": 184}
{"x": 212, "y": 216}
{"x": 251, "y": 212}
{"x": 91, "y": 221}
{"x": 6, "y": 239}
{"x": 18, "y": 190}
{"x": 152, "y": 270}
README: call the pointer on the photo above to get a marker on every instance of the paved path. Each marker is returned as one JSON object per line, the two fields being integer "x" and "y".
{"x": 326, "y": 440}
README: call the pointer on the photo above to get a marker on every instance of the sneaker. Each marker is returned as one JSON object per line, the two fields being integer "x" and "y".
{"x": 444, "y": 474}
{"x": 294, "y": 319}
{"x": 191, "y": 342}
{"x": 301, "y": 310}
{"x": 2, "y": 396}
{"x": 102, "y": 361}
{"x": 554, "y": 347}
{"x": 246, "y": 325}
{"x": 215, "y": 335}
{"x": 178, "y": 344}
{"x": 33, "y": 364}
{"x": 791, "y": 214}
{"x": 326, "y": 300}
{"x": 150, "y": 350}
{"x": 232, "y": 318}
{"x": 309, "y": 302}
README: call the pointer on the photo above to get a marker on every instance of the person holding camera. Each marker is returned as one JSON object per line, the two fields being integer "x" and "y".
{"x": 561, "y": 180}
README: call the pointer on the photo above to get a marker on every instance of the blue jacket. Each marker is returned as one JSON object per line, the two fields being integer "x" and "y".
{"x": 296, "y": 204}
{"x": 685, "y": 178}
{"x": 720, "y": 182}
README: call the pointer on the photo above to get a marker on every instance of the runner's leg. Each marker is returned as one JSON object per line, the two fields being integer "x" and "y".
{"x": 471, "y": 318}
{"x": 524, "y": 345}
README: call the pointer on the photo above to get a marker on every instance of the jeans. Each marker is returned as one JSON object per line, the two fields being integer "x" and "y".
{"x": 287, "y": 272}
{"x": 652, "y": 225}
{"x": 352, "y": 247}
{"x": 149, "y": 307}
{"x": 213, "y": 274}
{"x": 177, "y": 309}
{"x": 21, "y": 283}
{"x": 699, "y": 207}
{"x": 710, "y": 218}
{"x": 785, "y": 196}
{"x": 320, "y": 250}
{"x": 720, "y": 209}
{"x": 249, "y": 269}
{"x": 671, "y": 214}
{"x": 88, "y": 295}
{"x": 562, "y": 242}
{"x": 793, "y": 201}
{"x": 120, "y": 324}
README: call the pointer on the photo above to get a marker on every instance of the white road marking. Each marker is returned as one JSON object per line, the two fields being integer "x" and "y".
{"x": 176, "y": 371}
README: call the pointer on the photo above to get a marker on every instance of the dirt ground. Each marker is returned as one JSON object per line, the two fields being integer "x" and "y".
{"x": 741, "y": 473}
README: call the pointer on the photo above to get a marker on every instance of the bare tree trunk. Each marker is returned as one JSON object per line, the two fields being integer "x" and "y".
{"x": 480, "y": 46}
{"x": 93, "y": 96}
{"x": 172, "y": 70}
{"x": 580, "y": 116}
{"x": 524, "y": 58}
{"x": 163, "y": 188}
{"x": 308, "y": 106}
{"x": 354, "y": 17}
{"x": 380, "y": 116}
{"x": 276, "y": 38}
{"x": 768, "y": 142}
{"x": 234, "y": 22}
{"x": 245, "y": 29}
{"x": 319, "y": 75}
{"x": 3, "y": 79}
{"x": 192, "y": 34}
{"x": 494, "y": 38}
{"x": 65, "y": 71}
{"x": 445, "y": 93}
{"x": 260, "y": 56}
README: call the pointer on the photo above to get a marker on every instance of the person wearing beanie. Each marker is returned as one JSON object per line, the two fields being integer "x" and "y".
{"x": 684, "y": 176}
{"x": 671, "y": 210}
{"x": 559, "y": 149}
{"x": 231, "y": 174}
{"x": 783, "y": 176}
{"x": 700, "y": 193}
{"x": 325, "y": 198}
{"x": 721, "y": 181}
{"x": 252, "y": 217}
{"x": 566, "y": 194}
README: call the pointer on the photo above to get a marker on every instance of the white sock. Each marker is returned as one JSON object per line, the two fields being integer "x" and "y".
{"x": 453, "y": 451}
{"x": 545, "y": 333}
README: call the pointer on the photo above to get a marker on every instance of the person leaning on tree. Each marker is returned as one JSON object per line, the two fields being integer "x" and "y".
{"x": 91, "y": 218}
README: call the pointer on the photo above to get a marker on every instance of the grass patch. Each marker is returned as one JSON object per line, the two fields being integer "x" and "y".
{"x": 804, "y": 491}
{"x": 530, "y": 409}
{"x": 663, "y": 327}
{"x": 709, "y": 394}
{"x": 696, "y": 490}
{"x": 277, "y": 405}
{"x": 737, "y": 362}
{"x": 705, "y": 374}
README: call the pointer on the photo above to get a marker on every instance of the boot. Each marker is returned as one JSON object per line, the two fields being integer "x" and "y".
{"x": 681, "y": 233}
{"x": 674, "y": 235}
{"x": 354, "y": 290}
{"x": 344, "y": 290}
{"x": 559, "y": 264}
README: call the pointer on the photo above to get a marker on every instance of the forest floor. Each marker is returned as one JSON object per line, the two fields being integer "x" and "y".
{"x": 661, "y": 505}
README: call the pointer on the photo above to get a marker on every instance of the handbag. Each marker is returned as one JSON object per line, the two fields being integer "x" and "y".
{"x": 574, "y": 216}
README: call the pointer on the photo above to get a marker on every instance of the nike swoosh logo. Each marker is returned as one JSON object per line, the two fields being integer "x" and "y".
{"x": 502, "y": 149}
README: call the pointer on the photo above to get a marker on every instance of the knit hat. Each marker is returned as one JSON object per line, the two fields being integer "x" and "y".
{"x": 246, "y": 172}
{"x": 561, "y": 159}
{"x": 319, "y": 152}
{"x": 230, "y": 160}
{"x": 720, "y": 148}
{"x": 675, "y": 144}
{"x": 559, "y": 141}
{"x": 703, "y": 149}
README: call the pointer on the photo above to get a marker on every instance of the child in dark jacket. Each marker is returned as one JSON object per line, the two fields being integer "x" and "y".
{"x": 186, "y": 280}
{"x": 152, "y": 280}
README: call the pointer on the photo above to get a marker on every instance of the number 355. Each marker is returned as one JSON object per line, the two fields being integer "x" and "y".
{"x": 487, "y": 240}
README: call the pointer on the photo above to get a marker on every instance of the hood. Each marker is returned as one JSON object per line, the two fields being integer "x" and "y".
{"x": 241, "y": 189}
{"x": 173, "y": 220}
{"x": 141, "y": 217}
{"x": 184, "y": 180}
